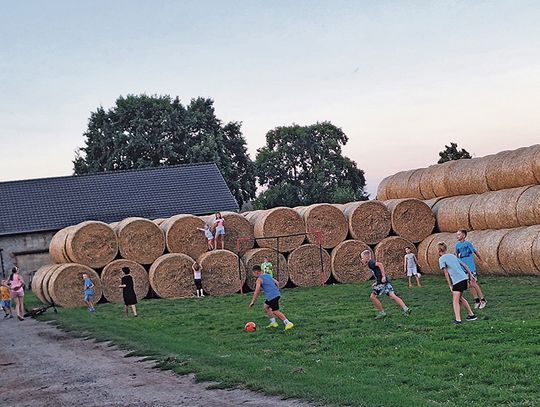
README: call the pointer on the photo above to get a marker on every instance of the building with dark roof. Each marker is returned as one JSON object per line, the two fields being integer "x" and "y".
{"x": 33, "y": 210}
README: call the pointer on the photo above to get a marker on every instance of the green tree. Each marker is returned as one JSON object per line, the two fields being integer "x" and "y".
{"x": 150, "y": 131}
{"x": 451, "y": 153}
{"x": 302, "y": 165}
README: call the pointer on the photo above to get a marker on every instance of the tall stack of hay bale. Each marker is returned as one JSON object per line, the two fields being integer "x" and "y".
{"x": 496, "y": 197}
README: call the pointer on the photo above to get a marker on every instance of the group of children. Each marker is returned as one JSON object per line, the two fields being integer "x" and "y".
{"x": 217, "y": 228}
{"x": 12, "y": 291}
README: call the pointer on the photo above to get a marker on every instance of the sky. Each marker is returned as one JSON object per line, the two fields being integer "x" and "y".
{"x": 401, "y": 78}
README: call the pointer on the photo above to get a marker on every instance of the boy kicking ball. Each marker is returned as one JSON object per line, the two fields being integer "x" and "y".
{"x": 457, "y": 281}
{"x": 381, "y": 286}
{"x": 269, "y": 286}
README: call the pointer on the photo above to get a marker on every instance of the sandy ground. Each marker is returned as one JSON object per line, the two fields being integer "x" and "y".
{"x": 43, "y": 366}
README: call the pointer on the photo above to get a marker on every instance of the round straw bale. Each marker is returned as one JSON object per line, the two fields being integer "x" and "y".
{"x": 171, "y": 276}
{"x": 305, "y": 266}
{"x": 159, "y": 221}
{"x": 412, "y": 219}
{"x": 57, "y": 247}
{"x": 427, "y": 181}
{"x": 528, "y": 207}
{"x": 487, "y": 243}
{"x": 278, "y": 222}
{"x": 339, "y": 206}
{"x": 45, "y": 285}
{"x": 453, "y": 213}
{"x": 468, "y": 176}
{"x": 369, "y": 221}
{"x": 113, "y": 224}
{"x": 496, "y": 179}
{"x": 346, "y": 262}
{"x": 255, "y": 257}
{"x": 236, "y": 226}
{"x": 433, "y": 254}
{"x": 382, "y": 194}
{"x": 37, "y": 280}
{"x": 251, "y": 215}
{"x": 518, "y": 168}
{"x": 91, "y": 243}
{"x": 535, "y": 162}
{"x": 390, "y": 252}
{"x": 140, "y": 240}
{"x": 220, "y": 272}
{"x": 477, "y": 216}
{"x": 111, "y": 277}
{"x": 182, "y": 235}
{"x": 432, "y": 202}
{"x": 536, "y": 252}
{"x": 400, "y": 184}
{"x": 516, "y": 251}
{"x": 413, "y": 185}
{"x": 441, "y": 175}
{"x": 65, "y": 285}
{"x": 500, "y": 208}
{"x": 423, "y": 252}
{"x": 328, "y": 220}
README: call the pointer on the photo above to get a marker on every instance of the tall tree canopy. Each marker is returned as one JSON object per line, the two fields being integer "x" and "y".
{"x": 150, "y": 131}
{"x": 452, "y": 152}
{"x": 302, "y": 165}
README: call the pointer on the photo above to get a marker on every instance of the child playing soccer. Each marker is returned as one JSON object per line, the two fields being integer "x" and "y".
{"x": 410, "y": 264}
{"x": 208, "y": 234}
{"x": 457, "y": 281}
{"x": 465, "y": 252}
{"x": 5, "y": 299}
{"x": 269, "y": 286}
{"x": 267, "y": 267}
{"x": 381, "y": 286}
{"x": 197, "y": 278}
{"x": 88, "y": 292}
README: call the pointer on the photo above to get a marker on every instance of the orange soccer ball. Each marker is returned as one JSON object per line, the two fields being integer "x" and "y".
{"x": 250, "y": 327}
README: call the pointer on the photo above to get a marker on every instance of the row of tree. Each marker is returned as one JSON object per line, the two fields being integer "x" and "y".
{"x": 299, "y": 165}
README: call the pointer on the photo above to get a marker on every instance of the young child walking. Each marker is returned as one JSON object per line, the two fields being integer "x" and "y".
{"x": 88, "y": 291}
{"x": 381, "y": 286}
{"x": 197, "y": 278}
{"x": 455, "y": 272}
{"x": 219, "y": 228}
{"x": 267, "y": 267}
{"x": 209, "y": 236}
{"x": 269, "y": 286}
{"x": 410, "y": 265}
{"x": 5, "y": 299}
{"x": 465, "y": 251}
{"x": 128, "y": 292}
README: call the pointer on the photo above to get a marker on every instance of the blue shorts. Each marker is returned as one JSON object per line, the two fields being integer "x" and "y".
{"x": 6, "y": 303}
{"x": 382, "y": 289}
{"x": 220, "y": 231}
{"x": 88, "y": 297}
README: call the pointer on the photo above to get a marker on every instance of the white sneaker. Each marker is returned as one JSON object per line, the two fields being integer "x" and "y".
{"x": 482, "y": 304}
{"x": 476, "y": 305}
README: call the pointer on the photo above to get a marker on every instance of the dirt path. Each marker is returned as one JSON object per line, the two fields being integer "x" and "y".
{"x": 43, "y": 366}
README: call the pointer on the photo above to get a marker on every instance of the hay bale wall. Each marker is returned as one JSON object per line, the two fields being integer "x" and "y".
{"x": 140, "y": 240}
{"x": 487, "y": 243}
{"x": 369, "y": 221}
{"x": 111, "y": 277}
{"x": 57, "y": 247}
{"x": 255, "y": 257}
{"x": 433, "y": 254}
{"x": 412, "y": 219}
{"x": 236, "y": 226}
{"x": 182, "y": 235}
{"x": 528, "y": 207}
{"x": 91, "y": 243}
{"x": 346, "y": 262}
{"x": 305, "y": 266}
{"x": 423, "y": 253}
{"x": 65, "y": 285}
{"x": 516, "y": 251}
{"x": 220, "y": 272}
{"x": 477, "y": 217}
{"x": 500, "y": 208}
{"x": 391, "y": 252}
{"x": 171, "y": 276}
{"x": 452, "y": 214}
{"x": 278, "y": 222}
{"x": 327, "y": 219}
{"x": 37, "y": 281}
{"x": 468, "y": 176}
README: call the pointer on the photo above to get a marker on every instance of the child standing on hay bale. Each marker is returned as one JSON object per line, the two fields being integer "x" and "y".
{"x": 197, "y": 278}
{"x": 267, "y": 267}
{"x": 88, "y": 292}
{"x": 457, "y": 281}
{"x": 128, "y": 292}
{"x": 209, "y": 236}
{"x": 271, "y": 290}
{"x": 381, "y": 286}
{"x": 5, "y": 298}
{"x": 219, "y": 228}
{"x": 410, "y": 265}
{"x": 465, "y": 251}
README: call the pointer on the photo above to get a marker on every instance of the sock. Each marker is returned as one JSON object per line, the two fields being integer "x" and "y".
{"x": 286, "y": 321}
{"x": 477, "y": 300}
{"x": 272, "y": 320}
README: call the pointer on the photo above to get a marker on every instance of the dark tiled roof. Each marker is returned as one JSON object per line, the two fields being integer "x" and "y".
{"x": 53, "y": 203}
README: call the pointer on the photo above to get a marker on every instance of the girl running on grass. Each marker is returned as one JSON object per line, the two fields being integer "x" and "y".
{"x": 219, "y": 228}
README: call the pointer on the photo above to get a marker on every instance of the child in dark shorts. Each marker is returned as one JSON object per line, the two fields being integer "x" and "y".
{"x": 455, "y": 272}
{"x": 381, "y": 286}
{"x": 197, "y": 278}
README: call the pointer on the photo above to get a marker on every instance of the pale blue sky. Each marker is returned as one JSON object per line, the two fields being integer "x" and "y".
{"x": 402, "y": 78}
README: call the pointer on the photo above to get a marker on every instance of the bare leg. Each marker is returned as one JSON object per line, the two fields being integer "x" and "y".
{"x": 376, "y": 302}
{"x": 222, "y": 242}
{"x": 280, "y": 315}
{"x": 410, "y": 283}
{"x": 126, "y": 310}
{"x": 21, "y": 306}
{"x": 466, "y": 305}
{"x": 134, "y": 310}
{"x": 418, "y": 281}
{"x": 456, "y": 297}
{"x": 268, "y": 311}
{"x": 475, "y": 288}
{"x": 398, "y": 300}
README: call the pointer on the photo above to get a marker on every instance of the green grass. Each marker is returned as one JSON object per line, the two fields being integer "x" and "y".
{"x": 337, "y": 354}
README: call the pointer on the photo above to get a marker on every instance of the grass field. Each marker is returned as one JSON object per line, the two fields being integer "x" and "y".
{"x": 337, "y": 354}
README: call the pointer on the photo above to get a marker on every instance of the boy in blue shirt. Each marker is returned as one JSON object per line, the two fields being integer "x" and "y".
{"x": 88, "y": 292}
{"x": 465, "y": 251}
{"x": 269, "y": 286}
{"x": 455, "y": 272}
